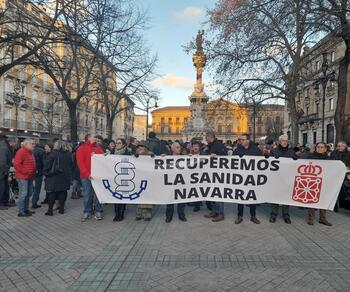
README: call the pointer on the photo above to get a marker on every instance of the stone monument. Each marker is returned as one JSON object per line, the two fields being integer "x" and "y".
{"x": 197, "y": 125}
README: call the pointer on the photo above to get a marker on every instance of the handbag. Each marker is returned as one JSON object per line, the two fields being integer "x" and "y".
{"x": 55, "y": 168}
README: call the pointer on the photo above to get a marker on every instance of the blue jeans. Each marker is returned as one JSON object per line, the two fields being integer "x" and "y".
{"x": 218, "y": 208}
{"x": 37, "y": 188}
{"x": 90, "y": 198}
{"x": 25, "y": 191}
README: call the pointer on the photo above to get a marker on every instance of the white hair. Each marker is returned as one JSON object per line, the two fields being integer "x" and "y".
{"x": 283, "y": 137}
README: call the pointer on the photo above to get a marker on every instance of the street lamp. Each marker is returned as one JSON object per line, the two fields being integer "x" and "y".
{"x": 16, "y": 98}
{"x": 323, "y": 80}
{"x": 148, "y": 108}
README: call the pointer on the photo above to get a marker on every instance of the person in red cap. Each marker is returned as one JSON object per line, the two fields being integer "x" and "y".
{"x": 84, "y": 154}
{"x": 24, "y": 164}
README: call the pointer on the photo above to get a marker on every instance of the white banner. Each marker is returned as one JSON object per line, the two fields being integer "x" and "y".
{"x": 229, "y": 179}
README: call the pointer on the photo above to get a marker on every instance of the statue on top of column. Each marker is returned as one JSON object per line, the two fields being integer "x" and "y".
{"x": 199, "y": 42}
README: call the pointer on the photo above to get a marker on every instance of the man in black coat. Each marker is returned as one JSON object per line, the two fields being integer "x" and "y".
{"x": 5, "y": 164}
{"x": 39, "y": 153}
{"x": 282, "y": 150}
{"x": 342, "y": 154}
{"x": 215, "y": 147}
{"x": 247, "y": 147}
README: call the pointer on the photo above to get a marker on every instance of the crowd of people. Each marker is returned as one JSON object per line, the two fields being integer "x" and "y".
{"x": 62, "y": 166}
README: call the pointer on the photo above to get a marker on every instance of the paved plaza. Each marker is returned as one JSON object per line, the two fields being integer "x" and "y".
{"x": 60, "y": 253}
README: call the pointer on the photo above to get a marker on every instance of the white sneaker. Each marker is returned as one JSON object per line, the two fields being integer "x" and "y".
{"x": 98, "y": 216}
{"x": 85, "y": 217}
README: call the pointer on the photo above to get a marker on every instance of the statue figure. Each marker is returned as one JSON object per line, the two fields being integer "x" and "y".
{"x": 199, "y": 42}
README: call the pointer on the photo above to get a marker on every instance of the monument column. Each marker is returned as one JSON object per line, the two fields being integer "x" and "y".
{"x": 197, "y": 125}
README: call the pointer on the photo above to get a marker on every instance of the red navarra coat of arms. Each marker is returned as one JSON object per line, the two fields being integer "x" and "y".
{"x": 307, "y": 185}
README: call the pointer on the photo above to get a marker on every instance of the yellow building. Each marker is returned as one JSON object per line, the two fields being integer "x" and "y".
{"x": 229, "y": 120}
{"x": 140, "y": 127}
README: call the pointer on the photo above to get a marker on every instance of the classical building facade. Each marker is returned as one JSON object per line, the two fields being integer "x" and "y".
{"x": 229, "y": 120}
{"x": 140, "y": 122}
{"x": 309, "y": 100}
{"x": 32, "y": 106}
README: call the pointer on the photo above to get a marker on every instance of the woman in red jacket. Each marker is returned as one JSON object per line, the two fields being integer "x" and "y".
{"x": 24, "y": 164}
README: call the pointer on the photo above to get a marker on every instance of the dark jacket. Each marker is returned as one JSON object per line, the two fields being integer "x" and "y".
{"x": 60, "y": 181}
{"x": 5, "y": 158}
{"x": 342, "y": 156}
{"x": 252, "y": 150}
{"x": 155, "y": 146}
{"x": 316, "y": 155}
{"x": 216, "y": 147}
{"x": 283, "y": 152}
{"x": 39, "y": 154}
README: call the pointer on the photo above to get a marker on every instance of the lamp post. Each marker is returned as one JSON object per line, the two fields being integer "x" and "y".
{"x": 16, "y": 99}
{"x": 323, "y": 80}
{"x": 148, "y": 108}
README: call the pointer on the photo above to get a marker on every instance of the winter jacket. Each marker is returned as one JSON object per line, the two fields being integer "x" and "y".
{"x": 342, "y": 156}
{"x": 283, "y": 152}
{"x": 39, "y": 159}
{"x": 24, "y": 164}
{"x": 62, "y": 180}
{"x": 155, "y": 146}
{"x": 252, "y": 150}
{"x": 5, "y": 158}
{"x": 84, "y": 154}
{"x": 216, "y": 147}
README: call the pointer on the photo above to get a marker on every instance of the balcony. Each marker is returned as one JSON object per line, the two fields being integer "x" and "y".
{"x": 37, "y": 104}
{"x": 309, "y": 118}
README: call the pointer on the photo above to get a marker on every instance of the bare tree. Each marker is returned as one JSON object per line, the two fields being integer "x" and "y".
{"x": 333, "y": 16}
{"x": 126, "y": 67}
{"x": 25, "y": 27}
{"x": 256, "y": 46}
{"x": 72, "y": 61}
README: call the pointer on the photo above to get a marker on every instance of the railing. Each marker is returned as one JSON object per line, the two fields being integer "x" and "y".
{"x": 309, "y": 118}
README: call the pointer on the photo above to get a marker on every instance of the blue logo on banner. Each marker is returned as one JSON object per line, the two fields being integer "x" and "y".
{"x": 124, "y": 181}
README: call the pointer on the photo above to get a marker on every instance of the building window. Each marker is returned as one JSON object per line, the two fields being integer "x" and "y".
{"x": 219, "y": 129}
{"x": 331, "y": 104}
{"x": 162, "y": 130}
{"x": 170, "y": 120}
{"x": 162, "y": 119}
{"x": 278, "y": 120}
{"x": 314, "y": 137}
{"x": 307, "y": 110}
{"x": 307, "y": 92}
{"x": 332, "y": 57}
{"x": 317, "y": 108}
{"x": 318, "y": 65}
{"x": 101, "y": 123}
{"x": 259, "y": 130}
{"x": 86, "y": 120}
{"x": 229, "y": 129}
{"x": 177, "y": 121}
{"x": 177, "y": 130}
{"x": 185, "y": 120}
{"x": 304, "y": 139}
{"x": 169, "y": 130}
{"x": 330, "y": 133}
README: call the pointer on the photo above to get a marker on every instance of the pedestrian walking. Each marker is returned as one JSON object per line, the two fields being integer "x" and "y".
{"x": 176, "y": 149}
{"x": 84, "y": 154}
{"x": 58, "y": 166}
{"x": 24, "y": 164}
{"x": 246, "y": 147}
